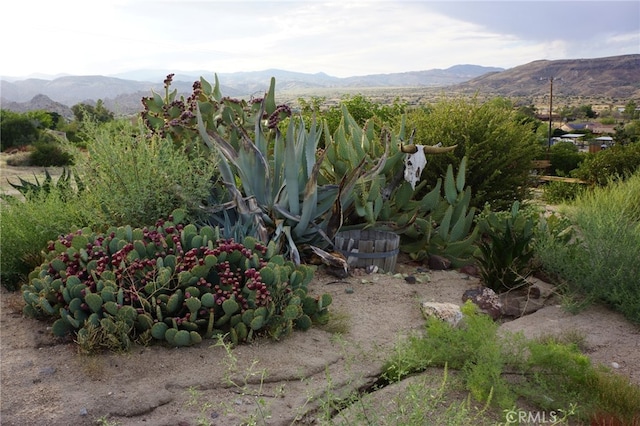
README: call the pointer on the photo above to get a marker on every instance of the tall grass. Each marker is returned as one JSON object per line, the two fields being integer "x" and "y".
{"x": 26, "y": 226}
{"x": 603, "y": 262}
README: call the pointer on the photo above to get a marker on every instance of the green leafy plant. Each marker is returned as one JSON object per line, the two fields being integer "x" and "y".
{"x": 134, "y": 178}
{"x": 506, "y": 249}
{"x": 271, "y": 177}
{"x": 499, "y": 146}
{"x": 26, "y": 225}
{"x": 561, "y": 192}
{"x": 170, "y": 282}
{"x": 605, "y": 247}
{"x": 551, "y": 373}
{"x": 49, "y": 153}
{"x": 618, "y": 162}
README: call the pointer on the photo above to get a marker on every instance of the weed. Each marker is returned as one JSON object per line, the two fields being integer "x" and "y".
{"x": 549, "y": 372}
{"x": 104, "y": 421}
{"x": 600, "y": 264}
{"x": 194, "y": 401}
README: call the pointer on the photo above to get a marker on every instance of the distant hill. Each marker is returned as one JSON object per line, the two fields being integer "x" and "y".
{"x": 616, "y": 77}
{"x": 123, "y": 95}
{"x": 39, "y": 102}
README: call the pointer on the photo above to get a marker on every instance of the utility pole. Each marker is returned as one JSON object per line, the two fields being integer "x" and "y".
{"x": 550, "y": 114}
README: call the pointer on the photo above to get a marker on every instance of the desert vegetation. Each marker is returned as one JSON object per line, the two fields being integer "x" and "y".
{"x": 200, "y": 219}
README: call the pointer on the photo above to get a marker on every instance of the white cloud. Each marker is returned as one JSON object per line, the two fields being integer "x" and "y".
{"x": 341, "y": 38}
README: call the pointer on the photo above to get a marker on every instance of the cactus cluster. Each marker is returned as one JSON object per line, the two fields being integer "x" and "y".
{"x": 171, "y": 282}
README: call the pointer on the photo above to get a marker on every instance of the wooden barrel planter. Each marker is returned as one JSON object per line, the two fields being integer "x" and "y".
{"x": 369, "y": 248}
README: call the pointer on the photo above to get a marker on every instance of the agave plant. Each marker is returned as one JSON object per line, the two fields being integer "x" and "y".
{"x": 64, "y": 185}
{"x": 272, "y": 176}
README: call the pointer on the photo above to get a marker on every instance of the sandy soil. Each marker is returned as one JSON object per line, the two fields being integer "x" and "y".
{"x": 46, "y": 382}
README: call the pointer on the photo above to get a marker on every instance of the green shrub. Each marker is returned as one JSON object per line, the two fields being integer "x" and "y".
{"x": 170, "y": 282}
{"x": 601, "y": 261}
{"x": 474, "y": 349}
{"x": 50, "y": 154}
{"x": 550, "y": 373}
{"x": 134, "y": 180}
{"x": 498, "y": 144}
{"x": 560, "y": 192}
{"x": 506, "y": 249}
{"x": 16, "y": 129}
{"x": 564, "y": 157}
{"x": 619, "y": 161}
{"x": 26, "y": 227}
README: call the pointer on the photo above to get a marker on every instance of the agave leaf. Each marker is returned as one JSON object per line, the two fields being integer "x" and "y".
{"x": 292, "y": 170}
{"x": 270, "y": 98}
{"x": 462, "y": 204}
{"x": 217, "y": 94}
{"x": 310, "y": 197}
{"x": 460, "y": 179}
{"x": 430, "y": 201}
{"x": 450, "y": 192}
{"x": 443, "y": 230}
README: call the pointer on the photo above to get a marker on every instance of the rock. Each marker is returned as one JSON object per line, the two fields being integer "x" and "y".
{"x": 447, "y": 312}
{"x": 486, "y": 299}
{"x": 439, "y": 263}
{"x": 522, "y": 302}
{"x": 471, "y": 270}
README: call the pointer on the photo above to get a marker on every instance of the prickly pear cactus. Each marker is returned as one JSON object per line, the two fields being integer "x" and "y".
{"x": 171, "y": 282}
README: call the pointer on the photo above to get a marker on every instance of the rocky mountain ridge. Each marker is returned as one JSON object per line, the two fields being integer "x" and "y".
{"x": 116, "y": 91}
{"x": 616, "y": 78}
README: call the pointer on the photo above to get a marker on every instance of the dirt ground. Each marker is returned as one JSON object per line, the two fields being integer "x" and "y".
{"x": 44, "y": 381}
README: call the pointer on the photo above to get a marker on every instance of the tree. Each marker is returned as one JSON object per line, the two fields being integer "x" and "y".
{"x": 499, "y": 146}
{"x": 362, "y": 109}
{"x": 16, "y": 129}
{"x": 585, "y": 111}
{"x": 630, "y": 110}
{"x": 97, "y": 113}
{"x": 565, "y": 157}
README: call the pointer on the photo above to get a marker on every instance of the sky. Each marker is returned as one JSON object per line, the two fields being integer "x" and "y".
{"x": 341, "y": 38}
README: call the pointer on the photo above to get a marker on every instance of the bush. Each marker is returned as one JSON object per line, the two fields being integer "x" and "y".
{"x": 170, "y": 282}
{"x": 16, "y": 130}
{"x": 564, "y": 158}
{"x": 135, "y": 180}
{"x": 560, "y": 192}
{"x": 50, "y": 154}
{"x": 499, "y": 145}
{"x": 617, "y": 162}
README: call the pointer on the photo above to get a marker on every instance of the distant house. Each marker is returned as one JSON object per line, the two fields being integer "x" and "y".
{"x": 593, "y": 127}
{"x": 573, "y": 127}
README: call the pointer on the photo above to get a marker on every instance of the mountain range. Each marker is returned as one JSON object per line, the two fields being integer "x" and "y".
{"x": 615, "y": 77}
